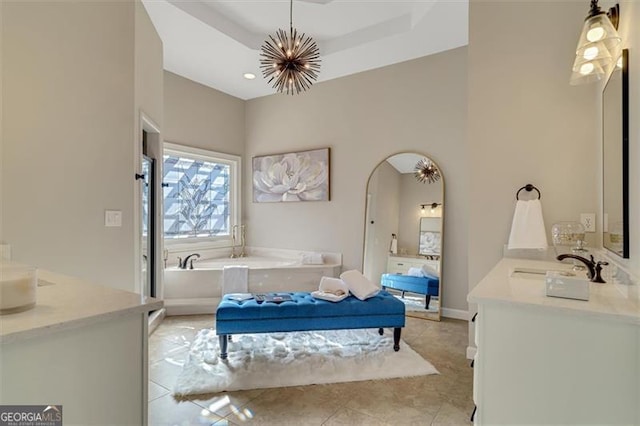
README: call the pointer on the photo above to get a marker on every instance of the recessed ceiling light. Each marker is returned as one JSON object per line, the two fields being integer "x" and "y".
{"x": 249, "y": 76}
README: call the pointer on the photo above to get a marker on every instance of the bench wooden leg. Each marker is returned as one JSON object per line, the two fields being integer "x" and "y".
{"x": 223, "y": 345}
{"x": 380, "y": 331}
{"x": 427, "y": 300}
{"x": 396, "y": 338}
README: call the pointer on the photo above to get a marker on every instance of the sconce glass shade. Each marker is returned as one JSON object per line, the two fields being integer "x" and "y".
{"x": 598, "y": 49}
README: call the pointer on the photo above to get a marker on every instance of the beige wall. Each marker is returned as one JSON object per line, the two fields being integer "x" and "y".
{"x": 149, "y": 76}
{"x": 68, "y": 126}
{"x": 149, "y": 103}
{"x": 383, "y": 210}
{"x": 420, "y": 106}
{"x": 526, "y": 123}
{"x": 70, "y": 119}
{"x": 202, "y": 117}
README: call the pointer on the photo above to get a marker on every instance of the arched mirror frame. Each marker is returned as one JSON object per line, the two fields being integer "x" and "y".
{"x": 436, "y": 316}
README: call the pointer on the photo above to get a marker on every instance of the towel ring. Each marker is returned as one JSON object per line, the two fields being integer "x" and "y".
{"x": 528, "y": 187}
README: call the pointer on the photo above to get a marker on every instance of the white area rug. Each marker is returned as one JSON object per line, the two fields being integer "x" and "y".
{"x": 258, "y": 361}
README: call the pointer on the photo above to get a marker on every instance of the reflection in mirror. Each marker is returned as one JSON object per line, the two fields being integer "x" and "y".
{"x": 406, "y": 204}
{"x": 615, "y": 160}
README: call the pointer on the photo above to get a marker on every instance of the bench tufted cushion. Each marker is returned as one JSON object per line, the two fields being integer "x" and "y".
{"x": 421, "y": 285}
{"x": 306, "y": 313}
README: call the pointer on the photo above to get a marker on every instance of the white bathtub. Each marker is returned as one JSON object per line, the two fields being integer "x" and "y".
{"x": 198, "y": 291}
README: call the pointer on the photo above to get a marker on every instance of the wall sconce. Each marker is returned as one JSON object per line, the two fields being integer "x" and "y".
{"x": 599, "y": 45}
{"x": 432, "y": 207}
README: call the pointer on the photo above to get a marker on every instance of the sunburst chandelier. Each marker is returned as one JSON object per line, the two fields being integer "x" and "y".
{"x": 291, "y": 61}
{"x": 426, "y": 171}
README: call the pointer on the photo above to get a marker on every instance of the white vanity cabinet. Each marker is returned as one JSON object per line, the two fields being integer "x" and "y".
{"x": 544, "y": 360}
{"x": 401, "y": 264}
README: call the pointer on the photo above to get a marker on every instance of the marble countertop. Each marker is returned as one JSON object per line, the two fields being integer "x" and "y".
{"x": 610, "y": 301}
{"x": 63, "y": 302}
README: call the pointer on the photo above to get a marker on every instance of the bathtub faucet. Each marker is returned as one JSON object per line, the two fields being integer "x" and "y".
{"x": 243, "y": 240}
{"x": 182, "y": 264}
{"x": 234, "y": 229}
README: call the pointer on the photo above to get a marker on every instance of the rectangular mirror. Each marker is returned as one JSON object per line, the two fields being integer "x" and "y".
{"x": 615, "y": 159}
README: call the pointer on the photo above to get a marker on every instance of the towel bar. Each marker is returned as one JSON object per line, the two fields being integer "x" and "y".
{"x": 528, "y": 187}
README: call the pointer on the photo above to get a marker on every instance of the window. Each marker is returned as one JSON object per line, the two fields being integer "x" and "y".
{"x": 201, "y": 195}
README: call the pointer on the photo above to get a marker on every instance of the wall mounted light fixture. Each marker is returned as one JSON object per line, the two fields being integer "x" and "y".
{"x": 432, "y": 206}
{"x": 599, "y": 46}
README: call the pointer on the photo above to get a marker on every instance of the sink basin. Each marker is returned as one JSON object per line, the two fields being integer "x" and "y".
{"x": 17, "y": 287}
{"x": 536, "y": 273}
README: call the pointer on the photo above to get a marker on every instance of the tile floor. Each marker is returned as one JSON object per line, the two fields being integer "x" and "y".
{"x": 444, "y": 399}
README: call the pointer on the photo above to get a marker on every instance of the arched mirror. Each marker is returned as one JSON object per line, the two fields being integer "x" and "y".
{"x": 404, "y": 233}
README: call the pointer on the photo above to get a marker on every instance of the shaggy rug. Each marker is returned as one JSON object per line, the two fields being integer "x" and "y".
{"x": 258, "y": 361}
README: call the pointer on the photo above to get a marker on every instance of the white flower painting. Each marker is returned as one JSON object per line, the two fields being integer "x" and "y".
{"x": 296, "y": 176}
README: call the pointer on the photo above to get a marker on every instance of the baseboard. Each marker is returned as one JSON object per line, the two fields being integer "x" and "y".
{"x": 455, "y": 314}
{"x": 471, "y": 352}
{"x": 155, "y": 319}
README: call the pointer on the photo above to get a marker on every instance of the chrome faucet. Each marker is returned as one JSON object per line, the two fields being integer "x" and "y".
{"x": 243, "y": 240}
{"x": 594, "y": 268}
{"x": 182, "y": 264}
{"x": 234, "y": 229}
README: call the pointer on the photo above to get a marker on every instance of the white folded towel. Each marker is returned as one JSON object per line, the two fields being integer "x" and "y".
{"x": 359, "y": 285}
{"x": 312, "y": 259}
{"x": 527, "y": 229}
{"x": 331, "y": 289}
{"x": 235, "y": 279}
{"x": 415, "y": 272}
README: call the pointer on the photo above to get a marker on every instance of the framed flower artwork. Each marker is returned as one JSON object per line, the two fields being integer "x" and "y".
{"x": 295, "y": 176}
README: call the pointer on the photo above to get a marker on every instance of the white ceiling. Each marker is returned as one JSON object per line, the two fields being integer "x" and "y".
{"x": 405, "y": 162}
{"x": 216, "y": 42}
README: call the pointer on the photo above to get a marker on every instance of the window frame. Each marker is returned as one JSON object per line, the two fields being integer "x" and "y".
{"x": 235, "y": 209}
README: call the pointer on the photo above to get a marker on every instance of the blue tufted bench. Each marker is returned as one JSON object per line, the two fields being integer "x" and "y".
{"x": 305, "y": 313}
{"x": 429, "y": 286}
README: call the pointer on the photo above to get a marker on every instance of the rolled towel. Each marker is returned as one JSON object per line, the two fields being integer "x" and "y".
{"x": 359, "y": 285}
{"x": 312, "y": 259}
{"x": 331, "y": 289}
{"x": 415, "y": 272}
{"x": 430, "y": 271}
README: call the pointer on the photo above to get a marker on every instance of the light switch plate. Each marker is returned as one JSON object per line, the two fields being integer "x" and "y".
{"x": 588, "y": 220}
{"x": 113, "y": 218}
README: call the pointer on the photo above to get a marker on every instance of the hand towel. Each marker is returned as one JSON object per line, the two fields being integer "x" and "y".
{"x": 527, "y": 229}
{"x": 331, "y": 289}
{"x": 235, "y": 279}
{"x": 359, "y": 285}
{"x": 393, "y": 249}
{"x": 312, "y": 259}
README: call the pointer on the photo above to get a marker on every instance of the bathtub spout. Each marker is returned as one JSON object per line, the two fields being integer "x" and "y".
{"x": 243, "y": 240}
{"x": 234, "y": 229}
